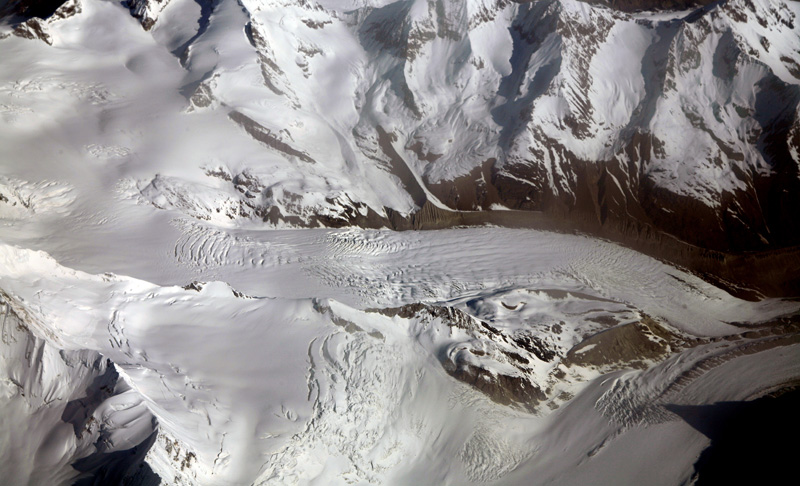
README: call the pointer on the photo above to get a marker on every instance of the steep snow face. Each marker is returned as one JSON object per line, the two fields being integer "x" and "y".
{"x": 79, "y": 417}
{"x": 532, "y": 98}
{"x": 733, "y": 72}
{"x": 194, "y": 395}
{"x": 357, "y": 110}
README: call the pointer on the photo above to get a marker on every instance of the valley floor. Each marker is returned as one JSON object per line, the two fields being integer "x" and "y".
{"x": 366, "y": 356}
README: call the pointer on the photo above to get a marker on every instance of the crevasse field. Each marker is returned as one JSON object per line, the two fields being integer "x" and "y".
{"x": 148, "y": 335}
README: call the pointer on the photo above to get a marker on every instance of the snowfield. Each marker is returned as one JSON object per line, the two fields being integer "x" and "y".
{"x": 199, "y": 286}
{"x": 294, "y": 376}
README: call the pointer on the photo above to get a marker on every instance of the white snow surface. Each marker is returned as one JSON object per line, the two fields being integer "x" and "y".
{"x": 452, "y": 78}
{"x": 269, "y": 388}
{"x": 274, "y": 368}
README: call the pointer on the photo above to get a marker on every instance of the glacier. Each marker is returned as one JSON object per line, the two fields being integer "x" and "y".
{"x": 392, "y": 241}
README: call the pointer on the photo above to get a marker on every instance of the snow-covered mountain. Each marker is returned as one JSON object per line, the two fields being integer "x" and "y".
{"x": 681, "y": 122}
{"x": 684, "y": 122}
{"x": 200, "y": 282}
{"x": 555, "y": 364}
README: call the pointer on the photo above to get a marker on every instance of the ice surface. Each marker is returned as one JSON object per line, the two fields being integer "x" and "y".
{"x": 248, "y": 352}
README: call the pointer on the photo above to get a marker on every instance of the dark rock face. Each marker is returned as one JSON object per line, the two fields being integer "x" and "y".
{"x": 27, "y": 9}
{"x": 33, "y": 29}
{"x": 620, "y": 193}
{"x": 502, "y": 389}
{"x": 500, "y": 363}
{"x": 650, "y": 5}
{"x": 748, "y": 439}
{"x": 30, "y": 19}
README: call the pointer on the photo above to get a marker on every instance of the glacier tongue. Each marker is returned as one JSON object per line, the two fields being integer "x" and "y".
{"x": 292, "y": 389}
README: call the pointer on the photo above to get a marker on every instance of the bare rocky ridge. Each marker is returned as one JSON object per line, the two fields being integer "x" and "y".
{"x": 650, "y": 5}
{"x": 27, "y": 9}
{"x": 609, "y": 347}
{"x": 147, "y": 11}
{"x": 30, "y": 20}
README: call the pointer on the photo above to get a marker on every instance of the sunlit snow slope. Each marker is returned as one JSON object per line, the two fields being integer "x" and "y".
{"x": 346, "y": 112}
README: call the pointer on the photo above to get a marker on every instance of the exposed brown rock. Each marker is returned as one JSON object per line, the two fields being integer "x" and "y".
{"x": 650, "y": 5}
{"x": 626, "y": 346}
{"x": 503, "y": 389}
{"x": 33, "y": 29}
{"x": 633, "y": 345}
{"x": 265, "y": 136}
{"x": 471, "y": 192}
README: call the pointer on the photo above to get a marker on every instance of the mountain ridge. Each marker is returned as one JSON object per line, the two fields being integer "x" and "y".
{"x": 676, "y": 127}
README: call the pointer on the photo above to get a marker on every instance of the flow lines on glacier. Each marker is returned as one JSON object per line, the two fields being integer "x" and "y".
{"x": 366, "y": 243}
{"x": 205, "y": 248}
{"x": 351, "y": 405}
